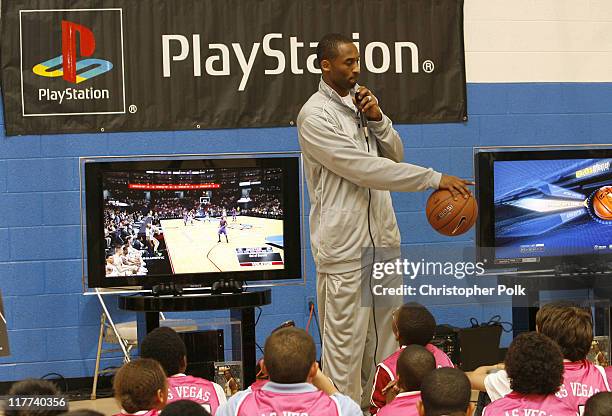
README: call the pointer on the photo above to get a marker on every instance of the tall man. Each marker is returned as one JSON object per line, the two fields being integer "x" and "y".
{"x": 349, "y": 177}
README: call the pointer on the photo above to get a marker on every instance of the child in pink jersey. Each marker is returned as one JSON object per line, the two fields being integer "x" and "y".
{"x": 166, "y": 346}
{"x": 140, "y": 388}
{"x": 412, "y": 324}
{"x": 413, "y": 364}
{"x": 534, "y": 364}
{"x": 599, "y": 404}
{"x": 296, "y": 385}
{"x": 571, "y": 328}
{"x": 184, "y": 408}
{"x": 445, "y": 392}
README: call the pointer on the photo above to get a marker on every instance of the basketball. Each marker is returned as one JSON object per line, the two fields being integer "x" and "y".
{"x": 450, "y": 217}
{"x": 602, "y": 203}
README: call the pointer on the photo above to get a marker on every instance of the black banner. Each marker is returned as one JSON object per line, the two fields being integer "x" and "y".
{"x": 84, "y": 65}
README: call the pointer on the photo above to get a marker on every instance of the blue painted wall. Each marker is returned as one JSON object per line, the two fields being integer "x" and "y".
{"x": 53, "y": 327}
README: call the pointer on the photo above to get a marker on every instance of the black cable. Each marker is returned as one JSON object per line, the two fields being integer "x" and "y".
{"x": 314, "y": 310}
{"x": 256, "y": 321}
{"x": 494, "y": 320}
{"x": 365, "y": 132}
{"x": 59, "y": 377}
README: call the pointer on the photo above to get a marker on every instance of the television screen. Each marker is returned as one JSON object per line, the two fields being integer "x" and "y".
{"x": 192, "y": 221}
{"x": 545, "y": 207}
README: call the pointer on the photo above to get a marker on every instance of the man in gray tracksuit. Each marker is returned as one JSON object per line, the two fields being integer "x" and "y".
{"x": 344, "y": 173}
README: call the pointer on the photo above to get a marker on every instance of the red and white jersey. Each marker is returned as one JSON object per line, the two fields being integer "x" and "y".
{"x": 386, "y": 372}
{"x": 581, "y": 380}
{"x": 404, "y": 404}
{"x": 182, "y": 387}
{"x": 152, "y": 412}
{"x": 517, "y": 404}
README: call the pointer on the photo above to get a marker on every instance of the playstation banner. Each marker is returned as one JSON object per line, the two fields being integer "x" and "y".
{"x": 114, "y": 65}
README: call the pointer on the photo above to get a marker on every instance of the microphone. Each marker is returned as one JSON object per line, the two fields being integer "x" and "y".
{"x": 363, "y": 120}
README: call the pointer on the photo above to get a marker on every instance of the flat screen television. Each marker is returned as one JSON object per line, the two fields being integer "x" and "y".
{"x": 544, "y": 208}
{"x": 192, "y": 221}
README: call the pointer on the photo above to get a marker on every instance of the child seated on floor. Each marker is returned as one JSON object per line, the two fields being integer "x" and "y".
{"x": 571, "y": 327}
{"x": 296, "y": 384}
{"x": 32, "y": 387}
{"x": 140, "y": 388}
{"x": 445, "y": 391}
{"x": 184, "y": 408}
{"x": 413, "y": 364}
{"x": 599, "y": 404}
{"x": 412, "y": 324}
{"x": 166, "y": 347}
{"x": 534, "y": 364}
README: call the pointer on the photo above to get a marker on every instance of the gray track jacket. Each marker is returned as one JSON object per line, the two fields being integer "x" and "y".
{"x": 339, "y": 171}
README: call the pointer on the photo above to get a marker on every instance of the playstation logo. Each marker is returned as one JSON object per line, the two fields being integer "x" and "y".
{"x": 68, "y": 65}
{"x": 72, "y": 62}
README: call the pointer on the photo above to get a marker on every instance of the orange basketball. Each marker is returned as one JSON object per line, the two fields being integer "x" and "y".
{"x": 450, "y": 217}
{"x": 602, "y": 203}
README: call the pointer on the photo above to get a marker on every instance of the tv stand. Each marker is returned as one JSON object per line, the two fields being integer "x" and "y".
{"x": 228, "y": 286}
{"x": 167, "y": 289}
{"x": 241, "y": 306}
{"x": 583, "y": 269}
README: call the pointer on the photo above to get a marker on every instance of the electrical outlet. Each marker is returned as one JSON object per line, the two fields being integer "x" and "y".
{"x": 309, "y": 300}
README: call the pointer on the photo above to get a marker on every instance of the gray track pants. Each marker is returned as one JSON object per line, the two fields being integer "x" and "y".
{"x": 348, "y": 333}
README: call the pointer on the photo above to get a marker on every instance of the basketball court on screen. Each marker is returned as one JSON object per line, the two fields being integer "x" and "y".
{"x": 194, "y": 248}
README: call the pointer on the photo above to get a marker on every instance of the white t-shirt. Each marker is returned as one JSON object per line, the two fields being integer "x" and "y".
{"x": 348, "y": 100}
{"x": 497, "y": 385}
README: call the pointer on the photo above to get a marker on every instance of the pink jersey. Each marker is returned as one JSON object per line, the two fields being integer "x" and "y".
{"x": 517, "y": 404}
{"x": 152, "y": 412}
{"x": 264, "y": 403}
{"x": 386, "y": 372}
{"x": 581, "y": 380}
{"x": 257, "y": 384}
{"x": 404, "y": 404}
{"x": 199, "y": 390}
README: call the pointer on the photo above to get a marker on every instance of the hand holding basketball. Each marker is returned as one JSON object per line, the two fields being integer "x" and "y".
{"x": 456, "y": 186}
{"x": 450, "y": 215}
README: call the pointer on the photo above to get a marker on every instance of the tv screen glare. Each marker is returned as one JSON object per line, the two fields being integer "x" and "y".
{"x": 545, "y": 208}
{"x": 192, "y": 221}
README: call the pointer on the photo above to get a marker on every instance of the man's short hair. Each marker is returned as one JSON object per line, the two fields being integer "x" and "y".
{"x": 184, "y": 408}
{"x": 329, "y": 44}
{"x": 569, "y": 326}
{"x": 445, "y": 391}
{"x": 415, "y": 324}
{"x": 534, "y": 364}
{"x": 288, "y": 355}
{"x": 599, "y": 404}
{"x": 165, "y": 346}
{"x": 33, "y": 387}
{"x": 413, "y": 364}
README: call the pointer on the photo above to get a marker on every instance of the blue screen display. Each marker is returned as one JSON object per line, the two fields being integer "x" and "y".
{"x": 552, "y": 208}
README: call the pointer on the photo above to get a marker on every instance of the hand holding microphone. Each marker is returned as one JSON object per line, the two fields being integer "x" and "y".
{"x": 367, "y": 104}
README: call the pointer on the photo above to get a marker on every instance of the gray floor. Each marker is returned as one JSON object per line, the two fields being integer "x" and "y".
{"x": 106, "y": 406}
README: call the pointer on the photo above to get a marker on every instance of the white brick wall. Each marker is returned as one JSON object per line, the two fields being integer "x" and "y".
{"x": 538, "y": 40}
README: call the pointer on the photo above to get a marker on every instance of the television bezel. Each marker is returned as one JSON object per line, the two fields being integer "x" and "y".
{"x": 484, "y": 159}
{"x": 92, "y": 169}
